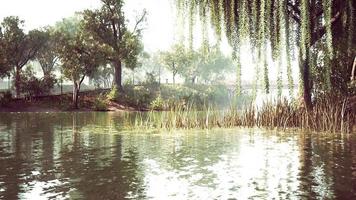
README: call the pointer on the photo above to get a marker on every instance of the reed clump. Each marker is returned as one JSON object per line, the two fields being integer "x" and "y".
{"x": 326, "y": 116}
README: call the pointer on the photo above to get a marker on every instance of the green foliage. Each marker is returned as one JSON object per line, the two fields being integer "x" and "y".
{"x": 102, "y": 77}
{"x": 4, "y": 65}
{"x": 100, "y": 104}
{"x": 137, "y": 96}
{"x": 266, "y": 77}
{"x": 32, "y": 86}
{"x": 113, "y": 94}
{"x": 5, "y": 98}
{"x": 192, "y": 65}
{"x": 277, "y": 23}
{"x": 157, "y": 104}
{"x": 176, "y": 60}
{"x": 79, "y": 54}
{"x": 47, "y": 55}
{"x": 18, "y": 47}
{"x": 108, "y": 27}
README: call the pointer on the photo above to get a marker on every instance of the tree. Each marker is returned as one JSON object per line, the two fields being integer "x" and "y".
{"x": 47, "y": 54}
{"x": 18, "y": 46}
{"x": 108, "y": 26}
{"x": 80, "y": 56}
{"x": 103, "y": 76}
{"x": 267, "y": 22}
{"x": 4, "y": 66}
{"x": 209, "y": 66}
{"x": 176, "y": 60}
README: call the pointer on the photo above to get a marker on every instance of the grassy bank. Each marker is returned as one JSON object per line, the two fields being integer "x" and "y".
{"x": 325, "y": 117}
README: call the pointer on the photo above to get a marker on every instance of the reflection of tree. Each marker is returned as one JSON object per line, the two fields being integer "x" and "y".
{"x": 13, "y": 168}
{"x": 95, "y": 166}
{"x": 306, "y": 165}
{"x": 97, "y": 175}
{"x": 187, "y": 155}
{"x": 327, "y": 163}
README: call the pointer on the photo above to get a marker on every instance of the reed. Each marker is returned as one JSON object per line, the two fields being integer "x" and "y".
{"x": 326, "y": 116}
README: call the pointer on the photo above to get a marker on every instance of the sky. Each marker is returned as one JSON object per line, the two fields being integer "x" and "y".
{"x": 159, "y": 28}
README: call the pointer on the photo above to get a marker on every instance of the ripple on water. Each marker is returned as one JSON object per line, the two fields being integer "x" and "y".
{"x": 63, "y": 157}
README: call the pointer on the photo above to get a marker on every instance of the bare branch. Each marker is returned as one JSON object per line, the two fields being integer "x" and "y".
{"x": 140, "y": 20}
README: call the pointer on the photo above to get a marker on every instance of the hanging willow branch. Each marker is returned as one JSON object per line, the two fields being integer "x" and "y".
{"x": 305, "y": 28}
{"x": 273, "y": 27}
{"x": 191, "y": 24}
{"x": 288, "y": 44}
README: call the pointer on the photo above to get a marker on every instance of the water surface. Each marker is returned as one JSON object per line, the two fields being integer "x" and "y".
{"x": 87, "y": 156}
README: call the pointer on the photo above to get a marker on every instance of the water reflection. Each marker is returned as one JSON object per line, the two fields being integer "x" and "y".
{"x": 84, "y": 156}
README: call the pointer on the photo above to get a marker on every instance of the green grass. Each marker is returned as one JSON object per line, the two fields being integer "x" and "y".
{"x": 325, "y": 117}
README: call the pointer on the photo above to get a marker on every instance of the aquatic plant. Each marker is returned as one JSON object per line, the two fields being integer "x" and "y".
{"x": 281, "y": 114}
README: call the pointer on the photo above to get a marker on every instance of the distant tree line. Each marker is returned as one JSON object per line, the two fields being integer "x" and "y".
{"x": 80, "y": 46}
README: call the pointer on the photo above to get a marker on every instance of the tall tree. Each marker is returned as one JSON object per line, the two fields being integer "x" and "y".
{"x": 177, "y": 59}
{"x": 19, "y": 46}
{"x": 80, "y": 56}
{"x": 109, "y": 26}
{"x": 207, "y": 66}
{"x": 47, "y": 55}
{"x": 4, "y": 66}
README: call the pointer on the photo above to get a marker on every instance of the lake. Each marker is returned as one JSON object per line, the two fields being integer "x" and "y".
{"x": 90, "y": 156}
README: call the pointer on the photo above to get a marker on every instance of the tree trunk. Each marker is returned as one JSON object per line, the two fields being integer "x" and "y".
{"x": 174, "y": 78}
{"x": 353, "y": 71}
{"x": 193, "y": 80}
{"x": 305, "y": 73}
{"x": 75, "y": 94}
{"x": 118, "y": 74}
{"x": 17, "y": 81}
{"x": 76, "y": 90}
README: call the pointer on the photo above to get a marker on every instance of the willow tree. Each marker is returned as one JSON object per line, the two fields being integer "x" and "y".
{"x": 275, "y": 23}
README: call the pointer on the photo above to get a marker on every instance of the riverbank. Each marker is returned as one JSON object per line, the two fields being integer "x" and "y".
{"x": 89, "y": 101}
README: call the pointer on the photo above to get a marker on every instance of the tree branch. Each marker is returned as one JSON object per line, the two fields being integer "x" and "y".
{"x": 353, "y": 71}
{"x": 320, "y": 33}
{"x": 140, "y": 20}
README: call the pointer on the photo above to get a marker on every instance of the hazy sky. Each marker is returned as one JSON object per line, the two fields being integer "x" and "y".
{"x": 161, "y": 27}
{"x": 159, "y": 32}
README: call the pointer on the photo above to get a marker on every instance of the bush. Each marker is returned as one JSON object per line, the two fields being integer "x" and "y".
{"x": 113, "y": 94}
{"x": 32, "y": 86}
{"x": 135, "y": 96}
{"x": 5, "y": 98}
{"x": 100, "y": 105}
{"x": 157, "y": 104}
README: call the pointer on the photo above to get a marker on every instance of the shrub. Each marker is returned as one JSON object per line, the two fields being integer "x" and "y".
{"x": 32, "y": 86}
{"x": 5, "y": 98}
{"x": 113, "y": 94}
{"x": 157, "y": 104}
{"x": 100, "y": 105}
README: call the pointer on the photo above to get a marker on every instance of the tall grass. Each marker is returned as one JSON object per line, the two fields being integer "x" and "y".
{"x": 326, "y": 116}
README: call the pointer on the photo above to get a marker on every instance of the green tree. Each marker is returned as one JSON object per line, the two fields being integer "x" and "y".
{"x": 4, "y": 66}
{"x": 80, "y": 56}
{"x": 47, "y": 55}
{"x": 176, "y": 60}
{"x": 18, "y": 46}
{"x": 211, "y": 67}
{"x": 109, "y": 27}
{"x": 103, "y": 76}
{"x": 329, "y": 23}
